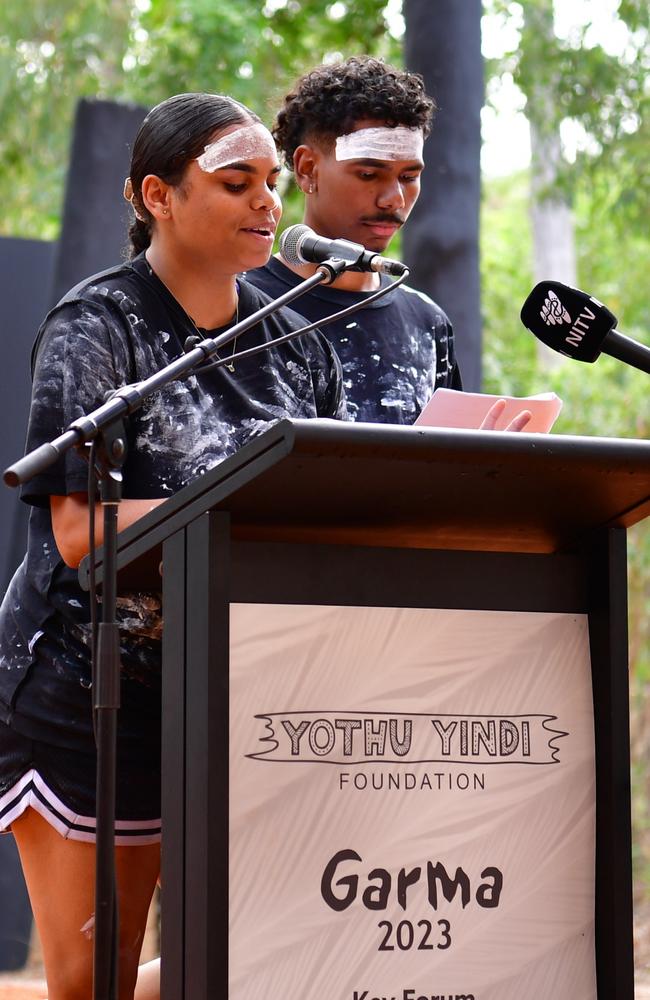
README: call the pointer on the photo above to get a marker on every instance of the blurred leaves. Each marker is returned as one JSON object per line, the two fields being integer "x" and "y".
{"x": 53, "y": 52}
{"x": 601, "y": 96}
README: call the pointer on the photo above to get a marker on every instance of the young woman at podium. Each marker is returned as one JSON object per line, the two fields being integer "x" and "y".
{"x": 202, "y": 187}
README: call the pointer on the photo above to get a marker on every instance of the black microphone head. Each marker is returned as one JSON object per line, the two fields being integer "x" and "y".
{"x": 290, "y": 242}
{"x": 567, "y": 320}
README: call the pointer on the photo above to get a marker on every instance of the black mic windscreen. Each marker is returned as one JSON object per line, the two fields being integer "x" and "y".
{"x": 290, "y": 244}
{"x": 567, "y": 320}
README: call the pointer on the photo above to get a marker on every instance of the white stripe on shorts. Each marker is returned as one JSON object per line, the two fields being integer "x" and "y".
{"x": 32, "y": 791}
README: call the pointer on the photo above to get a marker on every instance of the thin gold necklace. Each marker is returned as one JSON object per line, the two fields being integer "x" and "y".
{"x": 229, "y": 363}
{"x": 202, "y": 334}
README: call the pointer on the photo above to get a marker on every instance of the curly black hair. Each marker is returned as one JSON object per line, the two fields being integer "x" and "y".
{"x": 326, "y": 102}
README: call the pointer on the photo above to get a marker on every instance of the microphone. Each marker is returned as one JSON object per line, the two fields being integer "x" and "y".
{"x": 579, "y": 326}
{"x": 301, "y": 245}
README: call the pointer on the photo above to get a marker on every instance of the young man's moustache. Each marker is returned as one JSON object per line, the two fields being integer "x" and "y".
{"x": 392, "y": 219}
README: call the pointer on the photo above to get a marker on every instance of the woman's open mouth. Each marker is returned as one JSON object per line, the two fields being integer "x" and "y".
{"x": 264, "y": 233}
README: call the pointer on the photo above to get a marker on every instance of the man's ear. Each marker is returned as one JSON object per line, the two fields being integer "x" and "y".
{"x": 156, "y": 196}
{"x": 305, "y": 168}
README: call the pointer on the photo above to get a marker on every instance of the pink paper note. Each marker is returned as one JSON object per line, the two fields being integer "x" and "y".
{"x": 450, "y": 408}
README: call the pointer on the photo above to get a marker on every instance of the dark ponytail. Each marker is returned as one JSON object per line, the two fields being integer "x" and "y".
{"x": 139, "y": 233}
{"x": 173, "y": 134}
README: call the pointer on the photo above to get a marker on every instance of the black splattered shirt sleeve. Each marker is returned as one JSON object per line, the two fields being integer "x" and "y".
{"x": 75, "y": 367}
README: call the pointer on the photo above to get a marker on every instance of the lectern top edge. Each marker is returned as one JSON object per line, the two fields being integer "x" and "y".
{"x": 428, "y": 487}
{"x": 306, "y": 434}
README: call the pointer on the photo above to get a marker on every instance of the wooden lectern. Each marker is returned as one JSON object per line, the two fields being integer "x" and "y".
{"x": 323, "y": 513}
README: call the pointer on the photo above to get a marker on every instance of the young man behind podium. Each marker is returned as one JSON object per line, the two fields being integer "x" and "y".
{"x": 352, "y": 133}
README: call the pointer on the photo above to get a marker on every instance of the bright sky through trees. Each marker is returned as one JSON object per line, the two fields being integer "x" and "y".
{"x": 506, "y": 141}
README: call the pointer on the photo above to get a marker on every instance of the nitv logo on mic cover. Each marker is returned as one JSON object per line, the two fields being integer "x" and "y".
{"x": 553, "y": 312}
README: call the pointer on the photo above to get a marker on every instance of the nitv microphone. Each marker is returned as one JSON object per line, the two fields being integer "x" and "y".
{"x": 301, "y": 245}
{"x": 579, "y": 326}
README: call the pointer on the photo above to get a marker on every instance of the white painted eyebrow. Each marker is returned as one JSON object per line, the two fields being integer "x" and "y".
{"x": 381, "y": 143}
{"x": 246, "y": 143}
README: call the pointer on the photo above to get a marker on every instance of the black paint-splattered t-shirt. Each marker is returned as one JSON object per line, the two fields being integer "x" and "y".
{"x": 113, "y": 329}
{"x": 395, "y": 352}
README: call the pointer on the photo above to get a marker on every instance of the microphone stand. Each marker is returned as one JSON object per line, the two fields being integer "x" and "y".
{"x": 110, "y": 457}
{"x": 105, "y": 424}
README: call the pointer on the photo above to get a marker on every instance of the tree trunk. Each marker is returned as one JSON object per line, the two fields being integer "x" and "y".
{"x": 552, "y": 220}
{"x": 441, "y": 239}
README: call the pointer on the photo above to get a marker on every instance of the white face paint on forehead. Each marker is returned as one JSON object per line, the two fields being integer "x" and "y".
{"x": 381, "y": 143}
{"x": 246, "y": 143}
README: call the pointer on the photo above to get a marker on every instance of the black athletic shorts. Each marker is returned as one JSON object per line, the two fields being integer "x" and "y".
{"x": 59, "y": 784}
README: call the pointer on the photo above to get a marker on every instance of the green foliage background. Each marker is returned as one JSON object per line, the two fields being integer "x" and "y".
{"x": 54, "y": 51}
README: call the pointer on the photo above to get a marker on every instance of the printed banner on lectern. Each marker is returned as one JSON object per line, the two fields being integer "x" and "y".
{"x": 412, "y": 805}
